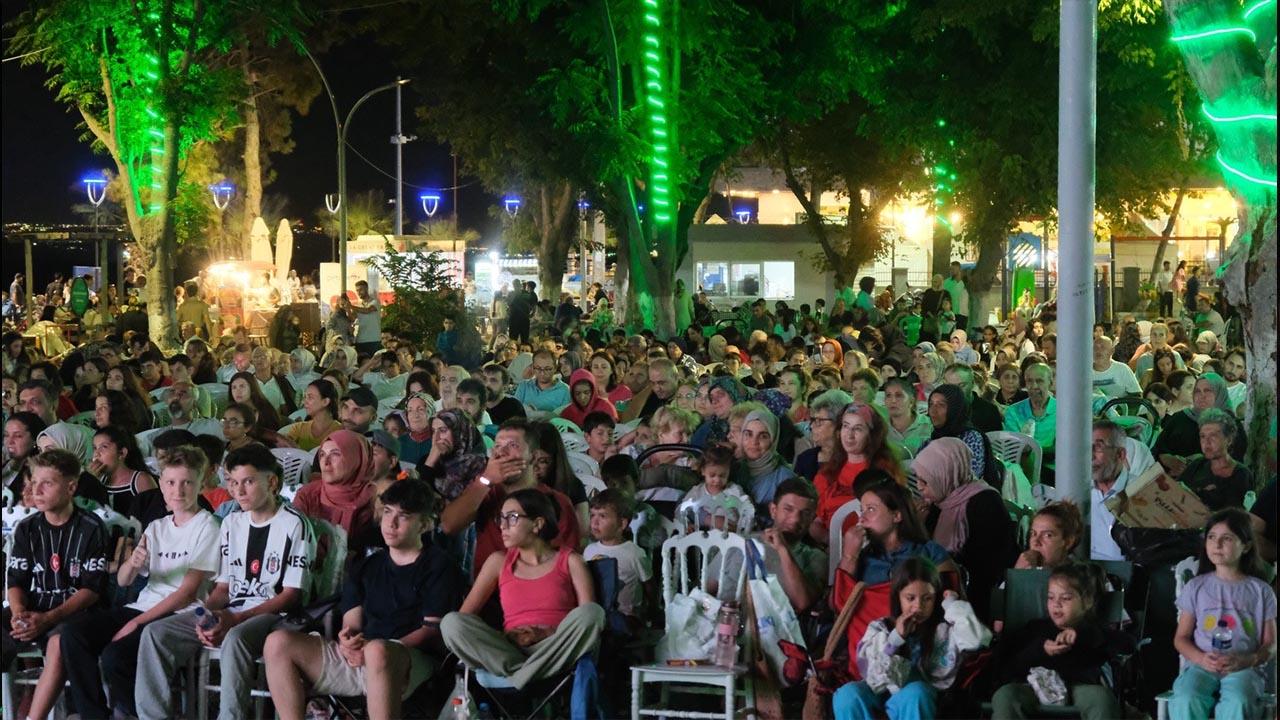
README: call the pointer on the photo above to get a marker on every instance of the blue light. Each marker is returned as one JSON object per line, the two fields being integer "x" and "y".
{"x": 744, "y": 215}
{"x": 94, "y": 181}
{"x": 512, "y": 205}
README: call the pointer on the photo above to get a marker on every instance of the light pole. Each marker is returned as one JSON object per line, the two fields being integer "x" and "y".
{"x": 96, "y": 190}
{"x": 342, "y": 175}
{"x": 222, "y": 194}
{"x": 430, "y": 203}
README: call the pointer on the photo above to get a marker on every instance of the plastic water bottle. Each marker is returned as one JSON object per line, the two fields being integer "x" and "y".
{"x": 726, "y": 652}
{"x": 205, "y": 619}
{"x": 484, "y": 713}
{"x": 460, "y": 709}
{"x": 1222, "y": 637}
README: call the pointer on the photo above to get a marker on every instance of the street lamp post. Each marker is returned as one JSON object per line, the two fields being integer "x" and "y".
{"x": 222, "y": 194}
{"x": 342, "y": 176}
{"x": 96, "y": 190}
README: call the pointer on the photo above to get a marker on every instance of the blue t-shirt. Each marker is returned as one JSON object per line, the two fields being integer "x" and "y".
{"x": 876, "y": 565}
{"x": 553, "y": 398}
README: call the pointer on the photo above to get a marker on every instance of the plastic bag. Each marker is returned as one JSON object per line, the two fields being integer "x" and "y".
{"x": 690, "y": 627}
{"x": 1048, "y": 686}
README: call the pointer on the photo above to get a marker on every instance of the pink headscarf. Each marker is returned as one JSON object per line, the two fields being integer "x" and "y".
{"x": 946, "y": 467}
{"x": 351, "y": 493}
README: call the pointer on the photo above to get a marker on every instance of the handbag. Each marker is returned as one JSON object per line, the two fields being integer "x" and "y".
{"x": 828, "y": 674}
{"x": 1157, "y": 546}
{"x": 781, "y": 637}
{"x": 767, "y": 700}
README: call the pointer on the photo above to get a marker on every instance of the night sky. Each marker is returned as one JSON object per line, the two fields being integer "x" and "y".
{"x": 43, "y": 158}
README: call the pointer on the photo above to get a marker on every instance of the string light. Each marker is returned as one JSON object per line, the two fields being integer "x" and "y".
{"x": 1236, "y": 118}
{"x": 1256, "y": 7}
{"x": 655, "y": 98}
{"x": 1213, "y": 33}
{"x": 1267, "y": 182}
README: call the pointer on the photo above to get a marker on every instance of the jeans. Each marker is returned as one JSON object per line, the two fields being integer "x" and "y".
{"x": 1194, "y": 690}
{"x": 856, "y": 701}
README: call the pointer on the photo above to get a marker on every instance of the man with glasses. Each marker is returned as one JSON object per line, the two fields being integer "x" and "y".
{"x": 544, "y": 391}
{"x": 510, "y": 469}
{"x": 1111, "y": 474}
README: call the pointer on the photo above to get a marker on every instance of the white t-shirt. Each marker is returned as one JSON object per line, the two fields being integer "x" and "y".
{"x": 172, "y": 551}
{"x": 633, "y": 569}
{"x": 271, "y": 391}
{"x": 369, "y": 324}
{"x": 199, "y": 426}
{"x": 1116, "y": 381}
{"x": 260, "y": 561}
{"x": 1236, "y": 395}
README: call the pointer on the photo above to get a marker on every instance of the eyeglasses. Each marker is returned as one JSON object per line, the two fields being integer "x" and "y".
{"x": 689, "y": 395}
{"x": 508, "y": 520}
{"x": 232, "y": 421}
{"x": 543, "y": 369}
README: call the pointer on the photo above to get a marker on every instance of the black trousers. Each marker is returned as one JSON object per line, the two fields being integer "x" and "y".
{"x": 86, "y": 640}
{"x": 1166, "y": 304}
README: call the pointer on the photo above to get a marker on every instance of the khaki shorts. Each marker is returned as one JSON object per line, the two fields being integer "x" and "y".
{"x": 339, "y": 678}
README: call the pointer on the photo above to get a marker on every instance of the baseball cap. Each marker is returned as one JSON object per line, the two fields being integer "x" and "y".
{"x": 386, "y": 441}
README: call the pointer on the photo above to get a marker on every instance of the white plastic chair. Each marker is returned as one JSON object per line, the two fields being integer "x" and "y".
{"x": 676, "y": 577}
{"x": 296, "y": 465}
{"x": 741, "y": 514}
{"x": 592, "y": 484}
{"x": 219, "y": 394}
{"x": 836, "y": 541}
{"x": 573, "y": 442}
{"x": 285, "y": 430}
{"x": 6, "y": 494}
{"x": 159, "y": 393}
{"x": 297, "y": 416}
{"x": 1009, "y": 447}
{"x": 582, "y": 464}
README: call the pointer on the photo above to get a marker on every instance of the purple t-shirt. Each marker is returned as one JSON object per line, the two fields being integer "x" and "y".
{"x": 1245, "y": 605}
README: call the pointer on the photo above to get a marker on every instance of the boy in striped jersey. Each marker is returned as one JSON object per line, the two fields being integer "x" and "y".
{"x": 266, "y": 551}
{"x": 57, "y": 571}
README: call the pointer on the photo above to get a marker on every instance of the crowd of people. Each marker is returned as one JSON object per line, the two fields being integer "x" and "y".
{"x": 472, "y": 492}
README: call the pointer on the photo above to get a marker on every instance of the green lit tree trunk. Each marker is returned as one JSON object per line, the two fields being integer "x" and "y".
{"x": 557, "y": 232}
{"x": 1237, "y": 76}
{"x": 161, "y": 308}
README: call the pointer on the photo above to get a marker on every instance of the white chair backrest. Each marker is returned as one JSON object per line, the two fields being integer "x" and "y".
{"x": 159, "y": 393}
{"x": 297, "y": 416}
{"x": 387, "y": 390}
{"x": 1009, "y": 447}
{"x": 738, "y": 516}
{"x": 129, "y": 527}
{"x": 409, "y": 468}
{"x": 7, "y": 495}
{"x": 670, "y": 528}
{"x": 14, "y": 514}
{"x": 701, "y": 548}
{"x": 1182, "y": 574}
{"x": 1043, "y": 494}
{"x": 836, "y": 541}
{"x": 219, "y": 394}
{"x": 582, "y": 464}
{"x": 153, "y": 464}
{"x": 285, "y": 430}
{"x": 591, "y": 484}
{"x": 326, "y": 576}
{"x": 574, "y": 443}
{"x": 296, "y": 465}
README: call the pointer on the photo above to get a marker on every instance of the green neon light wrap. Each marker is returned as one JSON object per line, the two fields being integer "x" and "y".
{"x": 1271, "y": 183}
{"x": 1236, "y": 118}
{"x": 1256, "y": 7}
{"x": 1214, "y": 33}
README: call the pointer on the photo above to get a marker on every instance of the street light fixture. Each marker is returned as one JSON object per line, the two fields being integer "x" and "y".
{"x": 744, "y": 215}
{"x": 342, "y": 174}
{"x": 95, "y": 187}
{"x": 222, "y": 194}
{"x": 430, "y": 203}
{"x": 512, "y": 204}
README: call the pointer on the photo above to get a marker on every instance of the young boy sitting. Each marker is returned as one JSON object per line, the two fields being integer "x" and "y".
{"x": 57, "y": 572}
{"x": 393, "y": 601}
{"x": 598, "y": 429}
{"x": 178, "y": 554}
{"x": 611, "y": 512}
{"x": 265, "y": 553}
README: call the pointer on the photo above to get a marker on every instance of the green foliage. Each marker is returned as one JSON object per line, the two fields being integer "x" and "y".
{"x": 424, "y": 288}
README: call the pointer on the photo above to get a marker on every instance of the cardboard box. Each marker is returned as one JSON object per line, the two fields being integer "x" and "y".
{"x": 1155, "y": 500}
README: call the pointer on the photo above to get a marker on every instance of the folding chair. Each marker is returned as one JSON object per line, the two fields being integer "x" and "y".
{"x": 678, "y": 567}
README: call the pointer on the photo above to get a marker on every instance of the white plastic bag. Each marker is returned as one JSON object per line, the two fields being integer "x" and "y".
{"x": 690, "y": 627}
{"x": 781, "y": 639}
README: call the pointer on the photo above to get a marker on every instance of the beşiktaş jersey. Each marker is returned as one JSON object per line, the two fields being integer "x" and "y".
{"x": 50, "y": 563}
{"x": 260, "y": 561}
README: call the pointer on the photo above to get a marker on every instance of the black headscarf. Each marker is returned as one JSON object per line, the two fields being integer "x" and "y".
{"x": 958, "y": 412}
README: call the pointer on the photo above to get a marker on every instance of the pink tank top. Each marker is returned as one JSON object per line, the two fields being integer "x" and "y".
{"x": 545, "y": 601}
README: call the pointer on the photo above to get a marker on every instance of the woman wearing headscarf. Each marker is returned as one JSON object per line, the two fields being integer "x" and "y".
{"x": 965, "y": 516}
{"x": 457, "y": 455}
{"x": 723, "y": 394}
{"x": 717, "y": 346}
{"x": 765, "y": 468}
{"x": 78, "y": 440}
{"x": 950, "y": 414}
{"x": 416, "y": 444}
{"x": 341, "y": 359}
{"x": 1181, "y": 430}
{"x": 345, "y": 488}
{"x": 1019, "y": 334}
{"x": 302, "y": 365}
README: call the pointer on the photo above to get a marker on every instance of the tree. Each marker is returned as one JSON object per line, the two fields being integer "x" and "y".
{"x": 144, "y": 77}
{"x": 1235, "y": 73}
{"x": 425, "y": 291}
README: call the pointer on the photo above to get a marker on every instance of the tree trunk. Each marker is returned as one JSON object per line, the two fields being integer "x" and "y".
{"x": 1168, "y": 232}
{"x": 558, "y": 226}
{"x": 161, "y": 309}
{"x": 942, "y": 237}
{"x": 252, "y": 154}
{"x": 1241, "y": 75}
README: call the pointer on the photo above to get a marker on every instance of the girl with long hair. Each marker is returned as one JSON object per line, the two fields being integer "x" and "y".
{"x": 121, "y": 468}
{"x": 604, "y": 371}
{"x": 244, "y": 389}
{"x": 321, "y": 403}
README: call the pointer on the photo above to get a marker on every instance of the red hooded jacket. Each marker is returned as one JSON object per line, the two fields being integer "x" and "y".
{"x": 576, "y": 413}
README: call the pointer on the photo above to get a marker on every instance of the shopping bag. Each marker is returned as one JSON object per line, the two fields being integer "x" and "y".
{"x": 690, "y": 627}
{"x": 781, "y": 638}
{"x": 829, "y": 674}
{"x": 767, "y": 700}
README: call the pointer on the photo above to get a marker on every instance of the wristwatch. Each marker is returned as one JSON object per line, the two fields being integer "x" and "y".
{"x": 485, "y": 481}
